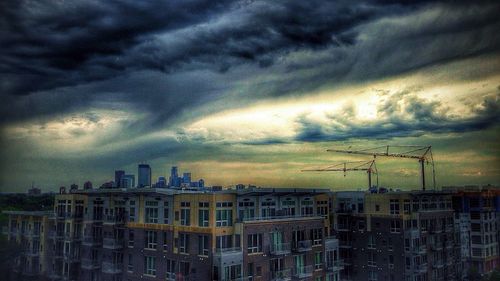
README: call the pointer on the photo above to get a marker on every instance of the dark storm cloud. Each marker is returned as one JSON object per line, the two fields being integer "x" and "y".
{"x": 48, "y": 45}
{"x": 401, "y": 115}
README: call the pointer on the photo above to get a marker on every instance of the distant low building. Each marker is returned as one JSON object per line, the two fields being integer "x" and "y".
{"x": 34, "y": 191}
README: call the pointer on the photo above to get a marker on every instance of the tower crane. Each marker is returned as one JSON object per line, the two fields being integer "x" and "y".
{"x": 422, "y": 153}
{"x": 369, "y": 167}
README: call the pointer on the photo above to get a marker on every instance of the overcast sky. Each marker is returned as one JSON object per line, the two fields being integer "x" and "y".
{"x": 247, "y": 91}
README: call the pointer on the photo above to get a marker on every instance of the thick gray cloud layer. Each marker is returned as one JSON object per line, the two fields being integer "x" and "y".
{"x": 49, "y": 45}
{"x": 168, "y": 62}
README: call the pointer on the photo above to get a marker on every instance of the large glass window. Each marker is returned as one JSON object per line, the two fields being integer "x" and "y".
{"x": 185, "y": 213}
{"x": 150, "y": 265}
{"x": 254, "y": 243}
{"x": 184, "y": 243}
{"x": 224, "y": 214}
{"x": 151, "y": 212}
{"x": 394, "y": 207}
{"x": 151, "y": 240}
{"x": 203, "y": 214}
{"x": 203, "y": 245}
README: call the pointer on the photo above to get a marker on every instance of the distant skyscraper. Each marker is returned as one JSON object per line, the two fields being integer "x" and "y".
{"x": 162, "y": 182}
{"x": 128, "y": 181}
{"x": 201, "y": 183}
{"x": 73, "y": 187}
{"x": 144, "y": 175}
{"x": 87, "y": 185}
{"x": 173, "y": 176}
{"x": 118, "y": 177}
{"x": 186, "y": 178}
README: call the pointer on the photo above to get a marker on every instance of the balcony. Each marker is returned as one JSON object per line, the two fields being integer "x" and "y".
{"x": 225, "y": 255}
{"x": 303, "y": 246}
{"x": 114, "y": 219}
{"x": 345, "y": 244}
{"x": 331, "y": 243}
{"x": 111, "y": 268}
{"x": 32, "y": 253}
{"x": 422, "y": 249}
{"x": 342, "y": 227}
{"x": 112, "y": 243}
{"x": 343, "y": 211}
{"x": 281, "y": 275}
{"x": 438, "y": 264}
{"x": 90, "y": 264}
{"x": 438, "y": 246}
{"x": 280, "y": 249}
{"x": 420, "y": 268}
{"x": 334, "y": 266}
{"x": 63, "y": 215}
{"x": 303, "y": 271}
{"x": 90, "y": 240}
{"x": 69, "y": 257}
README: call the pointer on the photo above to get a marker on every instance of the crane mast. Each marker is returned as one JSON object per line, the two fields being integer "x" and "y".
{"x": 422, "y": 153}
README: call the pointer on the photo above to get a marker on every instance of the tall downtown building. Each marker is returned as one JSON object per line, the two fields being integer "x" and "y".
{"x": 144, "y": 175}
{"x": 251, "y": 234}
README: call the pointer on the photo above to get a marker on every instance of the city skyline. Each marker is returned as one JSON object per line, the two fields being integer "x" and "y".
{"x": 247, "y": 92}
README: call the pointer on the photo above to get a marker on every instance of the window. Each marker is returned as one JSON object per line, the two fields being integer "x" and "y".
{"x": 254, "y": 243}
{"x": 224, "y": 217}
{"x": 184, "y": 243}
{"x": 130, "y": 266}
{"x": 170, "y": 270}
{"x": 322, "y": 208}
{"x": 151, "y": 212}
{"x": 394, "y": 207}
{"x": 377, "y": 208}
{"x": 185, "y": 216}
{"x": 203, "y": 217}
{"x": 371, "y": 259}
{"x": 131, "y": 238}
{"x": 203, "y": 245}
{"x": 150, "y": 266}
{"x": 372, "y": 276}
{"x": 371, "y": 242}
{"x": 165, "y": 213}
{"x": 165, "y": 239}
{"x": 246, "y": 210}
{"x": 318, "y": 260}
{"x": 306, "y": 207}
{"x": 391, "y": 261}
{"x": 317, "y": 236}
{"x": 395, "y": 226}
{"x": 268, "y": 208}
{"x": 407, "y": 207}
{"x": 151, "y": 240}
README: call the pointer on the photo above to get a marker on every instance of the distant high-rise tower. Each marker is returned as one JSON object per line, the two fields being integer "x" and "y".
{"x": 128, "y": 181}
{"x": 173, "y": 176}
{"x": 87, "y": 185}
{"x": 162, "y": 182}
{"x": 186, "y": 178}
{"x": 144, "y": 175}
{"x": 118, "y": 177}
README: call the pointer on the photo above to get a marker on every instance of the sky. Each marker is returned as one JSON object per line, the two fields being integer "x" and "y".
{"x": 247, "y": 92}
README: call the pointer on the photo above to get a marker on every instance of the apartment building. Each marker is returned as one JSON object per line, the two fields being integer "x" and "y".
{"x": 478, "y": 214}
{"x": 396, "y": 236}
{"x": 165, "y": 234}
{"x": 29, "y": 230}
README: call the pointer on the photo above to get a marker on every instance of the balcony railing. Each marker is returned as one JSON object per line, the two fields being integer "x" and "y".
{"x": 303, "y": 246}
{"x": 32, "y": 253}
{"x": 281, "y": 275}
{"x": 438, "y": 264}
{"x": 280, "y": 249}
{"x": 90, "y": 264}
{"x": 114, "y": 219}
{"x": 342, "y": 227}
{"x": 420, "y": 249}
{"x": 335, "y": 265}
{"x": 89, "y": 240}
{"x": 70, "y": 257}
{"x": 421, "y": 268}
{"x": 303, "y": 271}
{"x": 112, "y": 243}
{"x": 437, "y": 246}
{"x": 281, "y": 217}
{"x": 111, "y": 268}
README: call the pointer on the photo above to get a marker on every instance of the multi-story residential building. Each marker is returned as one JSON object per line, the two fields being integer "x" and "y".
{"x": 478, "y": 213}
{"x": 396, "y": 235}
{"x": 30, "y": 231}
{"x": 166, "y": 234}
